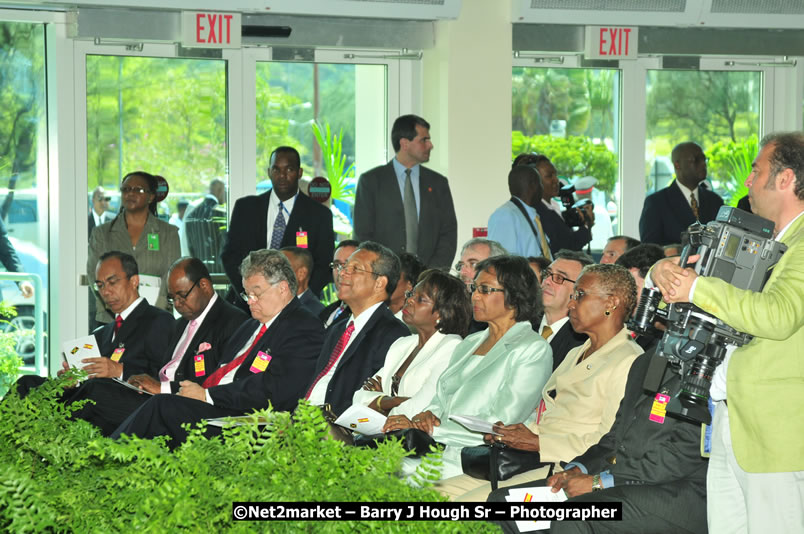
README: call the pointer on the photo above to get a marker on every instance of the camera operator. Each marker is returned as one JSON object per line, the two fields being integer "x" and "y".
{"x": 561, "y": 234}
{"x": 756, "y": 468}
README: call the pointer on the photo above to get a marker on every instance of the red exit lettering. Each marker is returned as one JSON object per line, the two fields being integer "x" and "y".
{"x": 209, "y": 28}
{"x": 618, "y": 42}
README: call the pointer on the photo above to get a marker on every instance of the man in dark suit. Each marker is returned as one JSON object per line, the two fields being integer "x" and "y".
{"x": 135, "y": 341}
{"x": 99, "y": 213}
{"x": 202, "y": 226}
{"x": 279, "y": 218}
{"x": 672, "y": 210}
{"x": 649, "y": 462}
{"x": 405, "y": 206}
{"x": 195, "y": 349}
{"x": 269, "y": 359}
{"x": 338, "y": 310}
{"x": 557, "y": 285}
{"x": 355, "y": 348}
{"x": 302, "y": 263}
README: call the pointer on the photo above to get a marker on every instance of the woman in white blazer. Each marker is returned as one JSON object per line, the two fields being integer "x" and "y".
{"x": 496, "y": 374}
{"x": 439, "y": 309}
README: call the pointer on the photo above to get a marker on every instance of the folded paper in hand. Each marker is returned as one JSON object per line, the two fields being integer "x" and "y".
{"x": 77, "y": 349}
{"x": 535, "y": 494}
{"x": 363, "y": 419}
{"x": 475, "y": 424}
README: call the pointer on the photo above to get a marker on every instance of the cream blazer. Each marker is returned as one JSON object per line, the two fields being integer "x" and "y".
{"x": 421, "y": 376}
{"x": 587, "y": 396}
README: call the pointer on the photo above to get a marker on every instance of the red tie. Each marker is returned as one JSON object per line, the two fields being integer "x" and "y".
{"x": 215, "y": 378}
{"x": 333, "y": 359}
{"x": 118, "y": 322}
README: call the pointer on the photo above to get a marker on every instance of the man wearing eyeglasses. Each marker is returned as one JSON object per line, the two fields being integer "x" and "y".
{"x": 269, "y": 359}
{"x": 355, "y": 348}
{"x": 557, "y": 284}
{"x": 672, "y": 210}
{"x": 194, "y": 351}
{"x": 338, "y": 310}
{"x": 99, "y": 213}
{"x": 135, "y": 341}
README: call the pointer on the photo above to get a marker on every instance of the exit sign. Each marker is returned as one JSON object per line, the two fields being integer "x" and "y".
{"x": 204, "y": 29}
{"x": 606, "y": 42}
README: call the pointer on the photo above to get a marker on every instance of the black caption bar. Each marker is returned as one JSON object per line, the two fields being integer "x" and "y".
{"x": 421, "y": 511}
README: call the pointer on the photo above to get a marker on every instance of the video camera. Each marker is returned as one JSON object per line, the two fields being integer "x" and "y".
{"x": 737, "y": 247}
{"x": 573, "y": 215}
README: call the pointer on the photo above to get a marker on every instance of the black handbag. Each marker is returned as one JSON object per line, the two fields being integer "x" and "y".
{"x": 499, "y": 462}
{"x": 412, "y": 439}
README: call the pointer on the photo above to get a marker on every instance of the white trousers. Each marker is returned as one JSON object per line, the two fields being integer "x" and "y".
{"x": 756, "y": 503}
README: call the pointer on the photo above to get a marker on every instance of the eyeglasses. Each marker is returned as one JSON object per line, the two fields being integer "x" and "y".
{"x": 105, "y": 199}
{"x": 421, "y": 299}
{"x": 578, "y": 294}
{"x": 557, "y": 277}
{"x": 699, "y": 158}
{"x": 110, "y": 283}
{"x": 352, "y": 269}
{"x": 178, "y": 296}
{"x": 336, "y": 265}
{"x": 251, "y": 296}
{"x": 485, "y": 290}
{"x": 460, "y": 265}
{"x": 139, "y": 190}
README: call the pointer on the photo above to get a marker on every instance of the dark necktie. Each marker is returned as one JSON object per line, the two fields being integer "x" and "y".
{"x": 694, "y": 206}
{"x": 215, "y": 378}
{"x": 118, "y": 322}
{"x": 333, "y": 358}
{"x": 279, "y": 228}
{"x": 546, "y": 331}
{"x": 411, "y": 216}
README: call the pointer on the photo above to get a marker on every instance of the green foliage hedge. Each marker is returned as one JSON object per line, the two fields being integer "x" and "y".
{"x": 62, "y": 475}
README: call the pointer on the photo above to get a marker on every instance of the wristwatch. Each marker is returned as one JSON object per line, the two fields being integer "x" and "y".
{"x": 597, "y": 485}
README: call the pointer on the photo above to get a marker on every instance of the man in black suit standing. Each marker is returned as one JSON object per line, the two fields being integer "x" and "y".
{"x": 202, "y": 226}
{"x": 405, "y": 206}
{"x": 672, "y": 210}
{"x": 281, "y": 217}
{"x": 355, "y": 348}
{"x": 269, "y": 359}
{"x": 648, "y": 461}
{"x": 99, "y": 213}
{"x": 135, "y": 341}
{"x": 195, "y": 348}
{"x": 558, "y": 282}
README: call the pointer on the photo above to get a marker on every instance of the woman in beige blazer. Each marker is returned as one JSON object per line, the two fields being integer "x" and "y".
{"x": 581, "y": 397}
{"x": 136, "y": 230}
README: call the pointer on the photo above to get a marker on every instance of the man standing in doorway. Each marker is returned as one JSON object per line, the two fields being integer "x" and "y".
{"x": 279, "y": 218}
{"x": 420, "y": 219}
{"x": 672, "y": 210}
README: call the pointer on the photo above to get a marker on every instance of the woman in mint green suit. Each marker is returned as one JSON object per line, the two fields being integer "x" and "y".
{"x": 496, "y": 374}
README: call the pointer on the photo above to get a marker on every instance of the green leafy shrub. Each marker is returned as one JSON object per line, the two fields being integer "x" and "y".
{"x": 61, "y": 475}
{"x": 573, "y": 156}
{"x": 10, "y": 361}
{"x": 730, "y": 164}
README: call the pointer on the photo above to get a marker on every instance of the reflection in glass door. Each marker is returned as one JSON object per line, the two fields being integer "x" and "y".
{"x": 572, "y": 116}
{"x": 719, "y": 110}
{"x": 348, "y": 101}
{"x": 24, "y": 250}
{"x": 167, "y": 117}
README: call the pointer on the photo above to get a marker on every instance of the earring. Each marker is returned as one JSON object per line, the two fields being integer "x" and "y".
{"x": 607, "y": 312}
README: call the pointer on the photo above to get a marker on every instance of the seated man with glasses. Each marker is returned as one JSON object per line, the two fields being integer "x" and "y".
{"x": 557, "y": 284}
{"x": 355, "y": 348}
{"x": 338, "y": 310}
{"x": 194, "y": 351}
{"x": 269, "y": 359}
{"x": 135, "y": 341}
{"x": 670, "y": 211}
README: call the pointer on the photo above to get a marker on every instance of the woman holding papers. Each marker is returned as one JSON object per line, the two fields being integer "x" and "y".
{"x": 496, "y": 374}
{"x": 439, "y": 309}
{"x": 136, "y": 230}
{"x": 582, "y": 396}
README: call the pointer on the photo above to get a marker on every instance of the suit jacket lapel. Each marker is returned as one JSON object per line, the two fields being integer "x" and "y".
{"x": 353, "y": 346}
{"x": 427, "y": 206}
{"x": 130, "y": 323}
{"x": 262, "y": 218}
{"x": 390, "y": 186}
